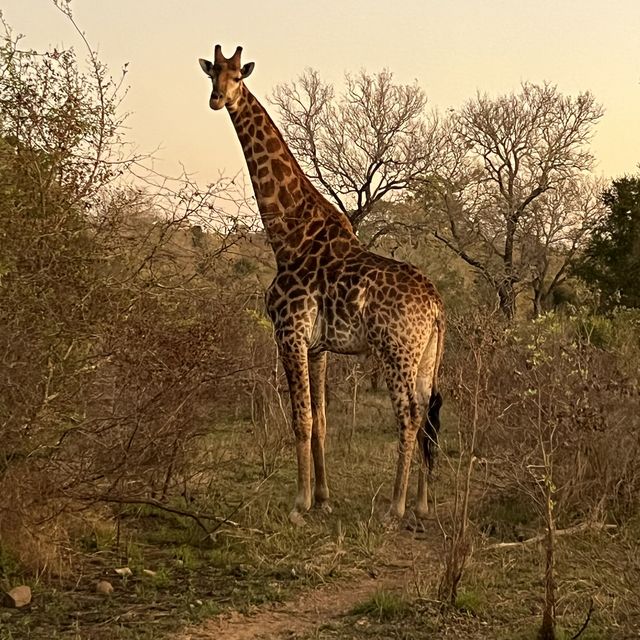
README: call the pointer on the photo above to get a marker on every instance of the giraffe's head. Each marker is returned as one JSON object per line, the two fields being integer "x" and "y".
{"x": 226, "y": 75}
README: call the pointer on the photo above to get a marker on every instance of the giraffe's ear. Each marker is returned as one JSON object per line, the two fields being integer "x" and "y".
{"x": 247, "y": 69}
{"x": 207, "y": 66}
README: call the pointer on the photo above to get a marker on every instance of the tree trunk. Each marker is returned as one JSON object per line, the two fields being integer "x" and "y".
{"x": 506, "y": 292}
{"x": 538, "y": 296}
{"x": 507, "y": 297}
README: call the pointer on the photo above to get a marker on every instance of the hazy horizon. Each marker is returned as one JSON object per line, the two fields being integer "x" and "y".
{"x": 452, "y": 51}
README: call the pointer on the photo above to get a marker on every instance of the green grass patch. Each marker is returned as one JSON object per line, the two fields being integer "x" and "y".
{"x": 384, "y": 606}
{"x": 470, "y": 601}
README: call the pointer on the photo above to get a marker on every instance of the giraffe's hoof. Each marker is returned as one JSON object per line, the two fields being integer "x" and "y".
{"x": 391, "y": 521}
{"x": 324, "y": 508}
{"x": 421, "y": 514}
{"x": 416, "y": 523}
{"x": 296, "y": 519}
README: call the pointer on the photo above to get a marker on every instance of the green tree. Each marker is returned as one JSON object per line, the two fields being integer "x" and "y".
{"x": 611, "y": 261}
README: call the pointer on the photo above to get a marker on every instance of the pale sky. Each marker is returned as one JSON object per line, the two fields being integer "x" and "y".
{"x": 452, "y": 47}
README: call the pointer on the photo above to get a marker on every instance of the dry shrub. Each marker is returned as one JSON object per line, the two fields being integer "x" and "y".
{"x": 126, "y": 316}
{"x": 32, "y": 529}
{"x": 114, "y": 375}
{"x": 549, "y": 410}
{"x": 551, "y": 381}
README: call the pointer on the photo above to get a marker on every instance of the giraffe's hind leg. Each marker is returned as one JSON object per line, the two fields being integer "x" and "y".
{"x": 401, "y": 383}
{"x": 424, "y": 390}
{"x": 317, "y": 374}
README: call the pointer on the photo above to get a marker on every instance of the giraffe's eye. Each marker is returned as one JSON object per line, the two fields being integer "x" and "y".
{"x": 238, "y": 79}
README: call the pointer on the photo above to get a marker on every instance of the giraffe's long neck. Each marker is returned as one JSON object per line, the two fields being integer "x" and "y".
{"x": 287, "y": 200}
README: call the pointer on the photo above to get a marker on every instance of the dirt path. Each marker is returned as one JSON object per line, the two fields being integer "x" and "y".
{"x": 402, "y": 554}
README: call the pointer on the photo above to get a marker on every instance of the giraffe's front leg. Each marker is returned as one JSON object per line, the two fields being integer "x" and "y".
{"x": 317, "y": 374}
{"x": 294, "y": 360}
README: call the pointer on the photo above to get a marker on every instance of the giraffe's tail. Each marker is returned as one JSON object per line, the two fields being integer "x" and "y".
{"x": 431, "y": 428}
{"x": 431, "y": 425}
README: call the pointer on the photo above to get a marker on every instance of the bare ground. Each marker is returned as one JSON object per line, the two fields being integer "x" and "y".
{"x": 395, "y": 572}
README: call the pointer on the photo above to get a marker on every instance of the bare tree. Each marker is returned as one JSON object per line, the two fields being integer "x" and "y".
{"x": 369, "y": 144}
{"x": 507, "y": 153}
{"x": 560, "y": 223}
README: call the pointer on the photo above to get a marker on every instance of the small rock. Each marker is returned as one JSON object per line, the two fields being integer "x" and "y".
{"x": 149, "y": 572}
{"x": 124, "y": 572}
{"x": 18, "y": 597}
{"x": 104, "y": 587}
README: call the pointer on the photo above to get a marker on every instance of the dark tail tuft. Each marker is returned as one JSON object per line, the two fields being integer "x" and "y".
{"x": 431, "y": 428}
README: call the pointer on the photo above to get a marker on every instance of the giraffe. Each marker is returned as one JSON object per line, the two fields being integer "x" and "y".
{"x": 331, "y": 294}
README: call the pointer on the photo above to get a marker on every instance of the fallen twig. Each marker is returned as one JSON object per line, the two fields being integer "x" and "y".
{"x": 152, "y": 502}
{"x": 578, "y": 528}
{"x": 585, "y": 623}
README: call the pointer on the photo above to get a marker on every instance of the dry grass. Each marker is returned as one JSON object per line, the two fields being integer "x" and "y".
{"x": 255, "y": 557}
{"x": 259, "y": 558}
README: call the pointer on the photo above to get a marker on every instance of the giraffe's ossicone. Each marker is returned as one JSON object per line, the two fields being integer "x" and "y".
{"x": 331, "y": 294}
